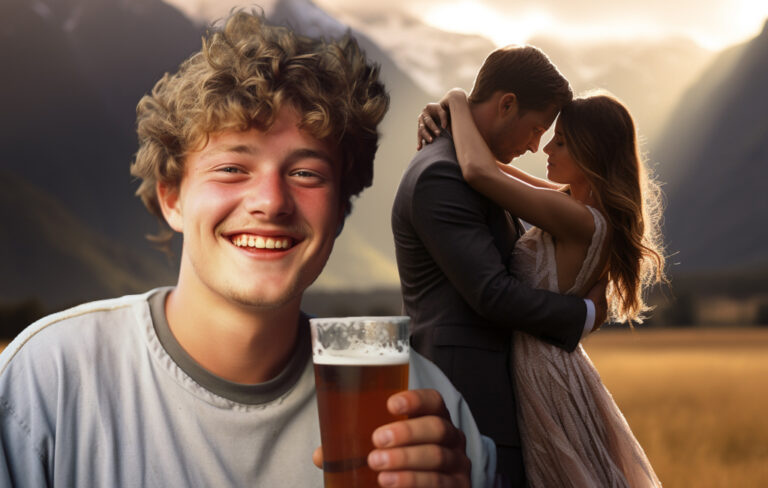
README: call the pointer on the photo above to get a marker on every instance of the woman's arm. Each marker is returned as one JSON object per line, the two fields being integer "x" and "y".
{"x": 544, "y": 207}
{"x": 428, "y": 129}
{"x": 518, "y": 173}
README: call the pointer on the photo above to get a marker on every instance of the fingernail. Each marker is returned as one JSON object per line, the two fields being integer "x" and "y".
{"x": 387, "y": 479}
{"x": 377, "y": 460}
{"x": 383, "y": 438}
{"x": 399, "y": 405}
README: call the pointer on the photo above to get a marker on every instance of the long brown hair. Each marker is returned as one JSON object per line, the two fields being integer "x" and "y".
{"x": 600, "y": 135}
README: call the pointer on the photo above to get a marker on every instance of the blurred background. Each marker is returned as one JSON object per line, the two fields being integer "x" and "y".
{"x": 694, "y": 75}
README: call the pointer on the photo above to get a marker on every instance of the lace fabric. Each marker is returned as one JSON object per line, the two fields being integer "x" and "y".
{"x": 573, "y": 433}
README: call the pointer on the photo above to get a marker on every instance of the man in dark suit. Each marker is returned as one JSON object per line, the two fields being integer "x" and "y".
{"x": 453, "y": 245}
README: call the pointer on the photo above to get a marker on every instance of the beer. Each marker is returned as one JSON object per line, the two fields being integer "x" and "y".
{"x": 354, "y": 378}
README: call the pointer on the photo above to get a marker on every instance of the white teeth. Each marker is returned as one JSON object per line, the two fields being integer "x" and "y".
{"x": 260, "y": 242}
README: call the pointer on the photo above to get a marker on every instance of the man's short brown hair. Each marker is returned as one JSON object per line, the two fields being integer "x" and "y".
{"x": 525, "y": 71}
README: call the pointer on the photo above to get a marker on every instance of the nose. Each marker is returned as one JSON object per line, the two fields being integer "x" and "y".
{"x": 548, "y": 148}
{"x": 269, "y": 196}
{"x": 533, "y": 145}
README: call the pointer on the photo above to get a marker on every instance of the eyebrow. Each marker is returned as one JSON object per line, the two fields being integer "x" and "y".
{"x": 307, "y": 153}
{"x": 296, "y": 155}
{"x": 239, "y": 149}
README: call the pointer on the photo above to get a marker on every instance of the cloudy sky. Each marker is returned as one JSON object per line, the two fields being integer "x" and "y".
{"x": 712, "y": 23}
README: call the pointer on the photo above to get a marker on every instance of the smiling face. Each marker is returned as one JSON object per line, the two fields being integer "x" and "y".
{"x": 259, "y": 212}
{"x": 561, "y": 167}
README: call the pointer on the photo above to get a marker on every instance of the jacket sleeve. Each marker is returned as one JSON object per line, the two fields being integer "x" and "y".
{"x": 450, "y": 219}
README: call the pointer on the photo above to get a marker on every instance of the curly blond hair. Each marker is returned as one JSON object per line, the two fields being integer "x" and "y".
{"x": 245, "y": 72}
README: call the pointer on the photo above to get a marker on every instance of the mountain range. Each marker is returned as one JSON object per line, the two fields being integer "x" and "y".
{"x": 715, "y": 164}
{"x": 75, "y": 231}
{"x": 75, "y": 70}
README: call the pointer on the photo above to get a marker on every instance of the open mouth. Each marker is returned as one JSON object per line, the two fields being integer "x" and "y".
{"x": 262, "y": 242}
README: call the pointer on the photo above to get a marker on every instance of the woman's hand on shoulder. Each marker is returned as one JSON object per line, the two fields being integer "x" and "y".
{"x": 428, "y": 128}
{"x": 436, "y": 116}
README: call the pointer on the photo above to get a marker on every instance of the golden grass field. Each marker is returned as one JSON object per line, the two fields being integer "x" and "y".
{"x": 697, "y": 400}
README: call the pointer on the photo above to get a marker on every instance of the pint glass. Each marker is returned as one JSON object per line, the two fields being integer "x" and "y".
{"x": 359, "y": 363}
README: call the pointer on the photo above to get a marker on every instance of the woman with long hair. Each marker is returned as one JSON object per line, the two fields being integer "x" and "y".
{"x": 596, "y": 216}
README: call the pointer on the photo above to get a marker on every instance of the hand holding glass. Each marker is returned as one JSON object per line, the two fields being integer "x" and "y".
{"x": 359, "y": 363}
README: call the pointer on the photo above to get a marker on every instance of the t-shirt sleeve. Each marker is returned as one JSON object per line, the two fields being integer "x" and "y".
{"x": 22, "y": 459}
{"x": 481, "y": 450}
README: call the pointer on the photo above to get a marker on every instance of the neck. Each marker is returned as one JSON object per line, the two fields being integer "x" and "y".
{"x": 239, "y": 343}
{"x": 482, "y": 114}
{"x": 582, "y": 192}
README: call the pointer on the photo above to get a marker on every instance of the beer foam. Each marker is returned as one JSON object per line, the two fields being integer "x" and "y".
{"x": 362, "y": 357}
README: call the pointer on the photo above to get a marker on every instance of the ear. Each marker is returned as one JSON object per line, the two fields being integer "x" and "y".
{"x": 170, "y": 204}
{"x": 508, "y": 105}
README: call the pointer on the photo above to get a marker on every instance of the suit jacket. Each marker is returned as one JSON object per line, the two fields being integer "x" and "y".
{"x": 452, "y": 246}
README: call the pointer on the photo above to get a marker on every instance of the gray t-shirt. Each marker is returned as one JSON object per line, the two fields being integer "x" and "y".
{"x": 103, "y": 395}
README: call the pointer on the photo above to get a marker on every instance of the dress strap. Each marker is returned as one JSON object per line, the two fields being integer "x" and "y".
{"x": 593, "y": 252}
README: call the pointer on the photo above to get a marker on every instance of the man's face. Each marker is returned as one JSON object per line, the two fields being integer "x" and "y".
{"x": 259, "y": 212}
{"x": 516, "y": 132}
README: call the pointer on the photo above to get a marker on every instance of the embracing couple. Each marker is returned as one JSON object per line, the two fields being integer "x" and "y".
{"x": 502, "y": 310}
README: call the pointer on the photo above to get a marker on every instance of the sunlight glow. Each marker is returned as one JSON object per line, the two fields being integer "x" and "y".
{"x": 735, "y": 21}
{"x": 475, "y": 18}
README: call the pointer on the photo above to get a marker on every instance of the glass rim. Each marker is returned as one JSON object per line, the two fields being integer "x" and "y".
{"x": 361, "y": 318}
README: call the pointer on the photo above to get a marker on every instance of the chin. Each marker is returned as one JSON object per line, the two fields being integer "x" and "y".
{"x": 264, "y": 299}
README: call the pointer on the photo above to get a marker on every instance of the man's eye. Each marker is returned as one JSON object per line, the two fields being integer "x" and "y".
{"x": 303, "y": 173}
{"x": 230, "y": 169}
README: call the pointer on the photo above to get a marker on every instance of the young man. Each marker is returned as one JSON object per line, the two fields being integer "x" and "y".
{"x": 252, "y": 151}
{"x": 453, "y": 245}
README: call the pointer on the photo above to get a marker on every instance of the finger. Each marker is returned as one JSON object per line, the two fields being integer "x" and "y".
{"x": 416, "y": 479}
{"x": 317, "y": 457}
{"x": 424, "y": 133}
{"x": 430, "y": 457}
{"x": 429, "y": 122}
{"x": 421, "y": 430}
{"x": 423, "y": 137}
{"x": 443, "y": 117}
{"x": 416, "y": 403}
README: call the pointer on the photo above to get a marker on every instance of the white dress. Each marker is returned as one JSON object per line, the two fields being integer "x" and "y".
{"x": 572, "y": 431}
